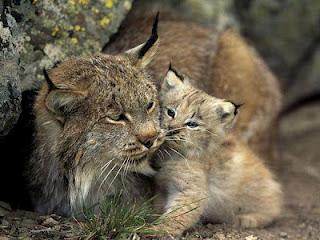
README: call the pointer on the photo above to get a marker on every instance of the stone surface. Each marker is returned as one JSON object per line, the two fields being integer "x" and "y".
{"x": 10, "y": 95}
{"x": 216, "y": 13}
{"x": 36, "y": 34}
{"x": 287, "y": 33}
{"x": 49, "y": 222}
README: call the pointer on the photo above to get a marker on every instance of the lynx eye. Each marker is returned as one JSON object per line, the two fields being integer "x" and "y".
{"x": 171, "y": 113}
{"x": 192, "y": 124}
{"x": 119, "y": 117}
{"x": 150, "y": 106}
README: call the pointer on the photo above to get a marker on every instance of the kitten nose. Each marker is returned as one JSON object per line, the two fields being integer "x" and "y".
{"x": 147, "y": 140}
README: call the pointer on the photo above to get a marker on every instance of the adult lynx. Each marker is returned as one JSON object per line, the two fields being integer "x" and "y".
{"x": 96, "y": 118}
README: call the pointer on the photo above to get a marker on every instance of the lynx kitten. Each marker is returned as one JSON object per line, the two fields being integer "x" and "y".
{"x": 208, "y": 174}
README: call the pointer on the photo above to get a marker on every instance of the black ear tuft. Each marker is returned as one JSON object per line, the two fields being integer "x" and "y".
{"x": 51, "y": 85}
{"x": 172, "y": 69}
{"x": 56, "y": 64}
{"x": 237, "y": 106}
{"x": 152, "y": 39}
{"x": 155, "y": 25}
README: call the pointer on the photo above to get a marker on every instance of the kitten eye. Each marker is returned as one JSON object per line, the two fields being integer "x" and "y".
{"x": 150, "y": 106}
{"x": 171, "y": 113}
{"x": 192, "y": 124}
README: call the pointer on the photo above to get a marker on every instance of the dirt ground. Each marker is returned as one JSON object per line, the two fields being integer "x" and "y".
{"x": 299, "y": 172}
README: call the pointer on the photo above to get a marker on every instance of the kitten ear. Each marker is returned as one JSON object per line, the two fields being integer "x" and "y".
{"x": 172, "y": 79}
{"x": 144, "y": 53}
{"x": 61, "y": 101}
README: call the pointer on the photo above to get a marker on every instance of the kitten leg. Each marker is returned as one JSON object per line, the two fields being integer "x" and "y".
{"x": 184, "y": 209}
{"x": 263, "y": 208}
{"x": 251, "y": 220}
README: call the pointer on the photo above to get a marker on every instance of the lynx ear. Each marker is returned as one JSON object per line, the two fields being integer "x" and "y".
{"x": 144, "y": 53}
{"x": 62, "y": 101}
{"x": 172, "y": 79}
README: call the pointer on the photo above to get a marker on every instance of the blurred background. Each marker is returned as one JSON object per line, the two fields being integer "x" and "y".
{"x": 35, "y": 34}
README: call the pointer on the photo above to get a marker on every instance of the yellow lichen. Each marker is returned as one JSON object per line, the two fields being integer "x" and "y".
{"x": 72, "y": 2}
{"x": 34, "y": 1}
{"x": 95, "y": 10}
{"x": 127, "y": 5}
{"x": 68, "y": 28}
{"x": 108, "y": 3}
{"x": 55, "y": 30}
{"x": 77, "y": 28}
{"x": 84, "y": 2}
{"x": 74, "y": 40}
{"x": 104, "y": 21}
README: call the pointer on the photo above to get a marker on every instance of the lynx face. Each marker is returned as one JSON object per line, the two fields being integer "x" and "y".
{"x": 104, "y": 107}
{"x": 191, "y": 117}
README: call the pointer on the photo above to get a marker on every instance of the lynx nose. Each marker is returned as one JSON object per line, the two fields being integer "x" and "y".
{"x": 147, "y": 135}
{"x": 147, "y": 140}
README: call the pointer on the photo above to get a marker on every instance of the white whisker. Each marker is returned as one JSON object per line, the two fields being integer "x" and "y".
{"x": 116, "y": 175}
{"x": 104, "y": 168}
{"x": 106, "y": 177}
{"x": 168, "y": 153}
{"x": 174, "y": 129}
{"x": 180, "y": 154}
{"x": 182, "y": 140}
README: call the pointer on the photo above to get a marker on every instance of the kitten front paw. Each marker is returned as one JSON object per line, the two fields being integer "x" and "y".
{"x": 246, "y": 221}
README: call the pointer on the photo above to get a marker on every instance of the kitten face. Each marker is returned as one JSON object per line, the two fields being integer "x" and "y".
{"x": 191, "y": 117}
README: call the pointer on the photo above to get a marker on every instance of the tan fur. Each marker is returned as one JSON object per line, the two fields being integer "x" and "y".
{"x": 97, "y": 121}
{"x": 207, "y": 173}
{"x": 221, "y": 64}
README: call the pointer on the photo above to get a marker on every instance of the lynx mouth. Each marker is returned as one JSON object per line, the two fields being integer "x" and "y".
{"x": 138, "y": 156}
{"x": 137, "y": 161}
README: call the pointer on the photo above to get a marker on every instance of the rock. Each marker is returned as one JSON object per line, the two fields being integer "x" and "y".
{"x": 220, "y": 236}
{"x": 213, "y": 13}
{"x": 49, "y": 222}
{"x": 4, "y": 209}
{"x": 4, "y": 224}
{"x": 56, "y": 217}
{"x": 283, "y": 234}
{"x": 5, "y": 205}
{"x": 217, "y": 13}
{"x": 10, "y": 88}
{"x": 287, "y": 33}
{"x": 36, "y": 34}
{"x": 4, "y": 238}
{"x": 251, "y": 237}
{"x": 307, "y": 80}
{"x": 28, "y": 222}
